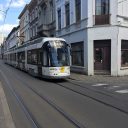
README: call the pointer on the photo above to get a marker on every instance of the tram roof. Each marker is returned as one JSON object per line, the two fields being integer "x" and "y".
{"x": 36, "y": 42}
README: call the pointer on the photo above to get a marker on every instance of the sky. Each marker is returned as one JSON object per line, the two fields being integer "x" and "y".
{"x": 13, "y": 12}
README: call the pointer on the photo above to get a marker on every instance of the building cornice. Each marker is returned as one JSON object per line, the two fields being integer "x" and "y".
{"x": 23, "y": 11}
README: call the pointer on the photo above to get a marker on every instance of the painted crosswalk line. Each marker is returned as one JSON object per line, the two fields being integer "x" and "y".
{"x": 122, "y": 91}
{"x": 100, "y": 84}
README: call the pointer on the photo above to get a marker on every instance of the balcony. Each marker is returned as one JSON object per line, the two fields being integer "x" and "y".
{"x": 101, "y": 19}
{"x": 46, "y": 29}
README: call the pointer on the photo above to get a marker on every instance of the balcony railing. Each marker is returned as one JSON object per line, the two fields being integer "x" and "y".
{"x": 46, "y": 27}
{"x": 101, "y": 19}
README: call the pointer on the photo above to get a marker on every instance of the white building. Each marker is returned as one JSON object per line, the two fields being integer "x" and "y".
{"x": 98, "y": 33}
{"x": 12, "y": 41}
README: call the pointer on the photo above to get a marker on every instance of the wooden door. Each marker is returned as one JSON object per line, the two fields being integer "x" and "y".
{"x": 102, "y": 55}
{"x": 98, "y": 58}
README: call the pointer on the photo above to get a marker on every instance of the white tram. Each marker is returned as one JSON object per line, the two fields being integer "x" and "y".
{"x": 43, "y": 57}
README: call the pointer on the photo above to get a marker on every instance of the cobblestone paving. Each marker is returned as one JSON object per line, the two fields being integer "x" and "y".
{"x": 123, "y": 80}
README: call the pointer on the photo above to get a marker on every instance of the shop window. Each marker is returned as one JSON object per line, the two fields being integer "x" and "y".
{"x": 77, "y": 54}
{"x": 124, "y": 53}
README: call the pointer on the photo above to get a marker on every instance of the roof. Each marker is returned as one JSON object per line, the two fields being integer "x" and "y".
{"x": 23, "y": 11}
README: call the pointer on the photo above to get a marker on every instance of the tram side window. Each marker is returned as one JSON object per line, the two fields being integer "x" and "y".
{"x": 14, "y": 56}
{"x": 39, "y": 56}
{"x": 21, "y": 56}
{"x": 32, "y": 57}
{"x": 45, "y": 58}
{"x": 45, "y": 55}
{"x": 29, "y": 57}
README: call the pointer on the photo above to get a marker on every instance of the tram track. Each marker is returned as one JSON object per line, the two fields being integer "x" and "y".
{"x": 91, "y": 97}
{"x": 45, "y": 98}
{"x": 20, "y": 101}
{"x": 60, "y": 110}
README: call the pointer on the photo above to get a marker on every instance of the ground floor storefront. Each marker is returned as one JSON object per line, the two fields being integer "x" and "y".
{"x": 99, "y": 50}
{"x": 108, "y": 51}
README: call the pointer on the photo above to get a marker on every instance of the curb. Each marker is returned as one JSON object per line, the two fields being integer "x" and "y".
{"x": 7, "y": 114}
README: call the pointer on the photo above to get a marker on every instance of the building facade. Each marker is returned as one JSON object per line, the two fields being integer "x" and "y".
{"x": 46, "y": 21}
{"x": 24, "y": 25}
{"x": 12, "y": 40}
{"x": 97, "y": 31}
{"x": 33, "y": 19}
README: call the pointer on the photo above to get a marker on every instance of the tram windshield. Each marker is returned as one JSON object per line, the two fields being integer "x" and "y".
{"x": 59, "y": 54}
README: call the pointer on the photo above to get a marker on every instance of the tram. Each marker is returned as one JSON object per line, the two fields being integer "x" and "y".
{"x": 43, "y": 57}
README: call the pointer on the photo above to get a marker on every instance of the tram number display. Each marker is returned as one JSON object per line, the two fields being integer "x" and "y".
{"x": 62, "y": 69}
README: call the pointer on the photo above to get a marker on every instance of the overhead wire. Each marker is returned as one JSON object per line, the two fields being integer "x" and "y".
{"x": 5, "y": 14}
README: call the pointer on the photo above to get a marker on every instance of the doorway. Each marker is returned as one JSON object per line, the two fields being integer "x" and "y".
{"x": 102, "y": 55}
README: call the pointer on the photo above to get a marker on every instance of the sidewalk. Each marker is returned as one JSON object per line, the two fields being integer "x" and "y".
{"x": 99, "y": 78}
{"x": 5, "y": 115}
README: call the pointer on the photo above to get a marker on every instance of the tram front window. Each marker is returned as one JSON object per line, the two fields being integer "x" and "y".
{"x": 59, "y": 55}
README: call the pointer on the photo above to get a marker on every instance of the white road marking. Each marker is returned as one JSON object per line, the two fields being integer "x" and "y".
{"x": 113, "y": 87}
{"x": 98, "y": 85}
{"x": 122, "y": 91}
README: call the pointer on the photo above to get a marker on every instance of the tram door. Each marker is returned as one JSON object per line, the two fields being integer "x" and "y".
{"x": 40, "y": 53}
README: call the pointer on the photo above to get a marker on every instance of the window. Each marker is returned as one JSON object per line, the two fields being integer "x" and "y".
{"x": 29, "y": 57}
{"x": 59, "y": 19}
{"x": 77, "y": 54}
{"x": 102, "y": 7}
{"x": 44, "y": 11}
{"x": 78, "y": 10}
{"x": 102, "y": 12}
{"x": 124, "y": 53}
{"x": 32, "y": 57}
{"x": 21, "y": 56}
{"x": 52, "y": 11}
{"x": 67, "y": 14}
{"x": 36, "y": 12}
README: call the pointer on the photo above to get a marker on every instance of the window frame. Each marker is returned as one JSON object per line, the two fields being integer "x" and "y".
{"x": 101, "y": 7}
{"x": 78, "y": 10}
{"x": 67, "y": 14}
{"x": 30, "y": 59}
{"x": 124, "y": 53}
{"x": 77, "y": 52}
{"x": 59, "y": 18}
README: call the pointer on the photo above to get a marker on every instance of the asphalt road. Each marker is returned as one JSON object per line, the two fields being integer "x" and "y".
{"x": 39, "y": 103}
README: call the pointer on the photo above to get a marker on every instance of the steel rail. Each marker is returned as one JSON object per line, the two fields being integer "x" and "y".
{"x": 55, "y": 106}
{"x": 24, "y": 108}
{"x": 91, "y": 97}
